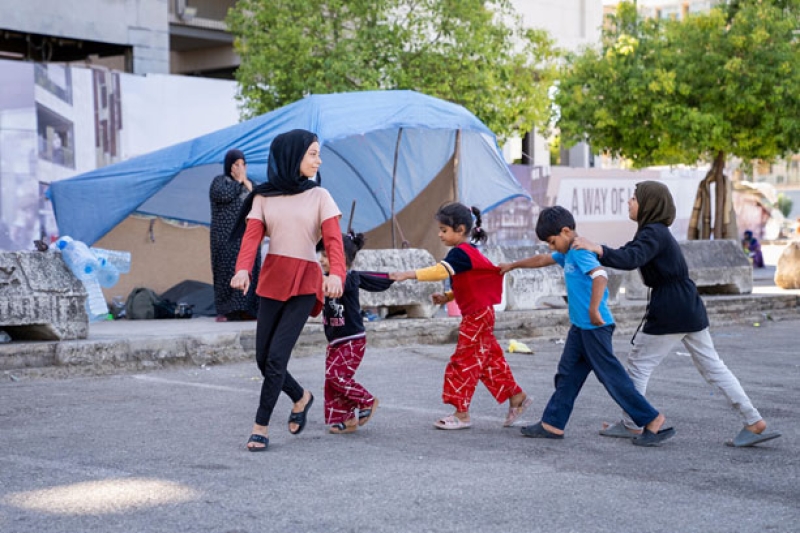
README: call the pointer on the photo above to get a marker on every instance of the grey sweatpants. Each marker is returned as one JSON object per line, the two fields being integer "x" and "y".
{"x": 649, "y": 350}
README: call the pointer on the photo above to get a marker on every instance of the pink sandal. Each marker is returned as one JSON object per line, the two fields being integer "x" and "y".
{"x": 515, "y": 412}
{"x": 451, "y": 422}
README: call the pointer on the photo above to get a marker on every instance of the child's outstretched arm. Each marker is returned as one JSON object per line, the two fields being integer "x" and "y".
{"x": 535, "y": 261}
{"x": 374, "y": 281}
{"x": 438, "y": 272}
{"x": 599, "y": 283}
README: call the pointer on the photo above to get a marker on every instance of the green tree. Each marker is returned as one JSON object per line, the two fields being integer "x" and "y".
{"x": 784, "y": 204}
{"x": 472, "y": 52}
{"x": 722, "y": 83}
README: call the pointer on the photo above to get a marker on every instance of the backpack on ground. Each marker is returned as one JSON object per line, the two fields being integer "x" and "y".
{"x": 145, "y": 304}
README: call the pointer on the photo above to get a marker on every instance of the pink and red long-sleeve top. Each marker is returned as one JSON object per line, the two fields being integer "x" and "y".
{"x": 294, "y": 225}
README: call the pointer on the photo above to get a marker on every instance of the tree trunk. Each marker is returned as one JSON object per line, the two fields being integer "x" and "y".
{"x": 724, "y": 217}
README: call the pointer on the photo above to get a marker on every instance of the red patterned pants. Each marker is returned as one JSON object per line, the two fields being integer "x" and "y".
{"x": 343, "y": 394}
{"x": 478, "y": 357}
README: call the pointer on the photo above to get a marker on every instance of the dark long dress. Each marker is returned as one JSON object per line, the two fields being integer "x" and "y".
{"x": 227, "y": 196}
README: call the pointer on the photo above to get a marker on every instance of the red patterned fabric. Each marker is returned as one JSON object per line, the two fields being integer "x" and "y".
{"x": 478, "y": 357}
{"x": 343, "y": 394}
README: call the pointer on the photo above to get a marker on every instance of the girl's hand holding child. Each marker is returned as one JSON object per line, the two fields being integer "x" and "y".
{"x": 332, "y": 286}
{"x": 403, "y": 276}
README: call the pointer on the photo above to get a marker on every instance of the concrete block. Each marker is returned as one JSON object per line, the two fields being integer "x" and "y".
{"x": 40, "y": 299}
{"x": 413, "y": 297}
{"x": 787, "y": 272}
{"x": 529, "y": 288}
{"x": 716, "y": 267}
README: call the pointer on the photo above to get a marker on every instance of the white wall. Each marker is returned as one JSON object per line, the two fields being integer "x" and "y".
{"x": 162, "y": 110}
{"x": 572, "y": 23}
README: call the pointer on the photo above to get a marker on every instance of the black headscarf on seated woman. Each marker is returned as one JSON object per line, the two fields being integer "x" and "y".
{"x": 283, "y": 173}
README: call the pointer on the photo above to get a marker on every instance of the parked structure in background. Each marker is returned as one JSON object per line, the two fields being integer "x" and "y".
{"x": 141, "y": 37}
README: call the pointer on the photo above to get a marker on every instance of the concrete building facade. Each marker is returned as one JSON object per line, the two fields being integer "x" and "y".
{"x": 136, "y": 36}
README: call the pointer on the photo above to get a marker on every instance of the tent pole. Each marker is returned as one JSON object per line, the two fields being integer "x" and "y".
{"x": 394, "y": 181}
{"x": 456, "y": 155}
{"x": 350, "y": 221}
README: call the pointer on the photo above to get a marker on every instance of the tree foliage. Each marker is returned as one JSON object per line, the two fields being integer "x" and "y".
{"x": 725, "y": 82}
{"x": 472, "y": 52}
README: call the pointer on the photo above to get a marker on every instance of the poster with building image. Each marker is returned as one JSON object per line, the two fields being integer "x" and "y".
{"x": 19, "y": 190}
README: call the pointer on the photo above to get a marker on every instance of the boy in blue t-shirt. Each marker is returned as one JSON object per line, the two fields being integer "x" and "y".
{"x": 588, "y": 346}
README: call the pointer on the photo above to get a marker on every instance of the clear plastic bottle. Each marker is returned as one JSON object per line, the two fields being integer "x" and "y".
{"x": 80, "y": 260}
{"x": 108, "y": 275}
{"x": 61, "y": 243}
{"x": 121, "y": 260}
{"x": 96, "y": 306}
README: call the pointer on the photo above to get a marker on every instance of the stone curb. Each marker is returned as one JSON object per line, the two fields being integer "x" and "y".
{"x": 131, "y": 353}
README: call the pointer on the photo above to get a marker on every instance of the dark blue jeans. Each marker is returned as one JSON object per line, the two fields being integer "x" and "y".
{"x": 588, "y": 350}
{"x": 279, "y": 326}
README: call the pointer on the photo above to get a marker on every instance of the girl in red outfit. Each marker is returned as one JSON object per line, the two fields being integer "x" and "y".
{"x": 295, "y": 213}
{"x": 477, "y": 287}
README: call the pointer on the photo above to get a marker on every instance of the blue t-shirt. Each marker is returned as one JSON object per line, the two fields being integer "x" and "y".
{"x": 577, "y": 264}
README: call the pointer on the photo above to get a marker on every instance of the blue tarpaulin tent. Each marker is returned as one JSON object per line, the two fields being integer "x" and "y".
{"x": 381, "y": 149}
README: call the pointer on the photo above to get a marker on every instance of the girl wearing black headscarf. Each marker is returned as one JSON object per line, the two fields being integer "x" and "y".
{"x": 675, "y": 313}
{"x": 227, "y": 194}
{"x": 295, "y": 213}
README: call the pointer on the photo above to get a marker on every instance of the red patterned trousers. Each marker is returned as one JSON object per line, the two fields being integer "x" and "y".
{"x": 478, "y": 357}
{"x": 343, "y": 394}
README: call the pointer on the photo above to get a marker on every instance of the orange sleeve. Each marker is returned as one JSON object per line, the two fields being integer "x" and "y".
{"x": 334, "y": 248}
{"x": 248, "y": 250}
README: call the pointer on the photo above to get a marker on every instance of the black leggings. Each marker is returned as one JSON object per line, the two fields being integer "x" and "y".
{"x": 279, "y": 326}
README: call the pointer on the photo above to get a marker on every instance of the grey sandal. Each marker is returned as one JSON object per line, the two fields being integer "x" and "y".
{"x": 747, "y": 438}
{"x": 618, "y": 430}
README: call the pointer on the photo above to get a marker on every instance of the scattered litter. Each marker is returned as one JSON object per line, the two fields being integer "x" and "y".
{"x": 559, "y": 341}
{"x": 514, "y": 346}
{"x": 756, "y": 324}
{"x": 684, "y": 354}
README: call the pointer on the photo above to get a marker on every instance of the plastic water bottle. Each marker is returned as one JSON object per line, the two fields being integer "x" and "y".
{"x": 61, "y": 243}
{"x": 120, "y": 260}
{"x": 96, "y": 306}
{"x": 108, "y": 275}
{"x": 80, "y": 260}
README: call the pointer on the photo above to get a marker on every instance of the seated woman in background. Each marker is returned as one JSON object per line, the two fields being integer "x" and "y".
{"x": 753, "y": 249}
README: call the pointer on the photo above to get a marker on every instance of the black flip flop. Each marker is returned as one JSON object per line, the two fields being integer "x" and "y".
{"x": 537, "y": 431}
{"x": 260, "y": 439}
{"x": 365, "y": 415}
{"x": 648, "y": 438}
{"x": 300, "y": 418}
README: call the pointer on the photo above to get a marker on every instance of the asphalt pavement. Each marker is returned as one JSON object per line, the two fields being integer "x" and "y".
{"x": 164, "y": 451}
